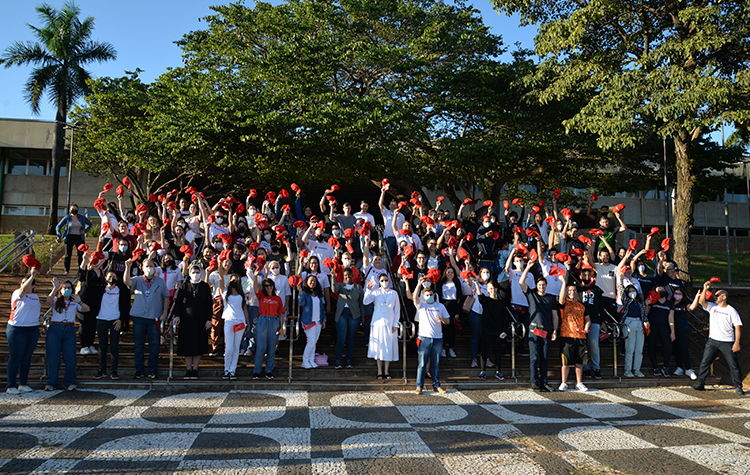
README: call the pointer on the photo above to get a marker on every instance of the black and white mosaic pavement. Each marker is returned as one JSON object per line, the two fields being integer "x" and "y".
{"x": 654, "y": 430}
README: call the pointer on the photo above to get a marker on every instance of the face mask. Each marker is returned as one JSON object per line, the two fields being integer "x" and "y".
{"x": 195, "y": 278}
{"x": 336, "y": 232}
{"x": 168, "y": 264}
{"x": 492, "y": 220}
{"x": 275, "y": 270}
{"x": 67, "y": 292}
{"x": 130, "y": 219}
{"x": 346, "y": 262}
{"x": 219, "y": 219}
{"x": 148, "y": 272}
{"x": 111, "y": 281}
{"x": 74, "y": 212}
{"x": 430, "y": 299}
{"x": 486, "y": 224}
{"x": 559, "y": 227}
{"x": 320, "y": 237}
{"x": 242, "y": 226}
{"x": 642, "y": 269}
{"x": 383, "y": 284}
{"x": 632, "y": 295}
{"x": 123, "y": 248}
{"x": 677, "y": 297}
{"x": 663, "y": 294}
{"x": 218, "y": 245}
{"x": 485, "y": 275}
{"x": 267, "y": 236}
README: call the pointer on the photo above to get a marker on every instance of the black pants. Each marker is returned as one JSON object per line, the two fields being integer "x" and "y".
{"x": 72, "y": 242}
{"x": 88, "y": 329}
{"x": 713, "y": 347}
{"x": 498, "y": 346}
{"x": 681, "y": 346}
{"x": 660, "y": 333}
{"x": 109, "y": 340}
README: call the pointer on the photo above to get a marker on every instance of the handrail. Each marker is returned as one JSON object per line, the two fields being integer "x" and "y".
{"x": 14, "y": 240}
{"x": 26, "y": 243}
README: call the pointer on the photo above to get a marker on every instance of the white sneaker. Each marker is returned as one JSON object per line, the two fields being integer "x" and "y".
{"x": 313, "y": 364}
{"x": 629, "y": 374}
{"x": 442, "y": 353}
{"x": 306, "y": 365}
{"x": 489, "y": 363}
{"x": 581, "y": 387}
{"x": 93, "y": 351}
{"x": 638, "y": 374}
{"x": 86, "y": 351}
{"x": 451, "y": 353}
{"x": 24, "y": 389}
{"x": 13, "y": 391}
{"x": 692, "y": 374}
{"x": 563, "y": 387}
{"x": 678, "y": 372}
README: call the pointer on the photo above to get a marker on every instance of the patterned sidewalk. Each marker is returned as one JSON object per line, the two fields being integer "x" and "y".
{"x": 654, "y": 430}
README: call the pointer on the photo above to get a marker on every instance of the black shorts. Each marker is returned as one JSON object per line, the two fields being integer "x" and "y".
{"x": 572, "y": 351}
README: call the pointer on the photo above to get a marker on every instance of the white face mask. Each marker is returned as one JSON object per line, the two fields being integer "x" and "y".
{"x": 383, "y": 284}
{"x": 275, "y": 270}
{"x": 485, "y": 275}
{"x": 218, "y": 245}
{"x": 559, "y": 227}
{"x": 492, "y": 220}
{"x": 195, "y": 278}
{"x": 219, "y": 219}
{"x": 148, "y": 272}
{"x": 336, "y": 232}
{"x": 632, "y": 295}
{"x": 267, "y": 236}
{"x": 486, "y": 224}
{"x": 642, "y": 269}
{"x": 122, "y": 248}
{"x": 346, "y": 262}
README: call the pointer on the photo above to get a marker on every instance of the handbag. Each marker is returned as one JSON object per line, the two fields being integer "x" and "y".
{"x": 468, "y": 303}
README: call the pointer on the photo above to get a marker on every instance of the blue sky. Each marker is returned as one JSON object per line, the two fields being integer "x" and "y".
{"x": 143, "y": 33}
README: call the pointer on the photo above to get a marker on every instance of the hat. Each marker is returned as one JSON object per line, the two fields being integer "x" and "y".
{"x": 562, "y": 257}
{"x": 633, "y": 245}
{"x": 385, "y": 184}
{"x": 594, "y": 197}
{"x": 440, "y": 199}
{"x": 714, "y": 279}
{"x": 506, "y": 205}
{"x": 225, "y": 255}
{"x": 327, "y": 262}
{"x": 253, "y": 193}
{"x": 533, "y": 255}
{"x": 433, "y": 275}
{"x": 31, "y": 262}
{"x": 295, "y": 280}
{"x": 283, "y": 193}
{"x": 550, "y": 220}
{"x": 520, "y": 249}
{"x": 427, "y": 220}
{"x": 126, "y": 182}
{"x": 584, "y": 239}
{"x": 531, "y": 233}
{"x": 240, "y": 209}
{"x": 83, "y": 248}
{"x": 462, "y": 254}
{"x": 136, "y": 254}
{"x": 120, "y": 190}
{"x": 295, "y": 187}
{"x": 557, "y": 193}
{"x": 107, "y": 187}
{"x": 467, "y": 201}
{"x": 489, "y": 204}
{"x": 665, "y": 244}
{"x": 618, "y": 208}
{"x": 349, "y": 233}
{"x": 576, "y": 252}
{"x": 650, "y": 254}
{"x": 187, "y": 249}
{"x": 596, "y": 232}
{"x": 105, "y": 227}
{"x": 299, "y": 224}
{"x": 141, "y": 208}
{"x": 556, "y": 271}
{"x": 535, "y": 209}
{"x": 467, "y": 274}
{"x": 190, "y": 190}
{"x": 404, "y": 271}
{"x": 654, "y": 231}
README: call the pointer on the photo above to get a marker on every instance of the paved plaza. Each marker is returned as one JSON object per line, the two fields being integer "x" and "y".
{"x": 650, "y": 430}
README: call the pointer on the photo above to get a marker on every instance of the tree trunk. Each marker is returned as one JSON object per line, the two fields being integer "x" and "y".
{"x": 684, "y": 204}
{"x": 58, "y": 146}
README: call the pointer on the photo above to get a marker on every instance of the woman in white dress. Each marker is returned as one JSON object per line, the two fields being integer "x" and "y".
{"x": 383, "y": 344}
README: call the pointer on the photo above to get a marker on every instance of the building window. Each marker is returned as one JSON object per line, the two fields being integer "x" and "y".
{"x": 37, "y": 167}
{"x": 16, "y": 166}
{"x": 30, "y": 161}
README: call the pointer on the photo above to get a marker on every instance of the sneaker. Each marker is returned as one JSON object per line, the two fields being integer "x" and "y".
{"x": 657, "y": 372}
{"x": 489, "y": 363}
{"x": 269, "y": 375}
{"x": 152, "y": 375}
{"x": 639, "y": 374}
{"x": 678, "y": 372}
{"x": 543, "y": 388}
{"x": 349, "y": 364}
{"x": 233, "y": 376}
{"x": 307, "y": 365}
{"x": 226, "y": 375}
{"x": 563, "y": 387}
{"x": 214, "y": 353}
{"x": 188, "y": 374}
{"x": 692, "y": 374}
{"x": 581, "y": 387}
{"x": 442, "y": 353}
{"x": 256, "y": 375}
{"x": 482, "y": 375}
{"x": 587, "y": 373}
{"x": 665, "y": 372}
{"x": 86, "y": 351}
{"x": 138, "y": 375}
{"x": 72, "y": 387}
{"x": 337, "y": 366}
{"x": 499, "y": 375}
{"x": 194, "y": 375}
{"x": 629, "y": 374}
{"x": 24, "y": 389}
{"x": 114, "y": 375}
{"x": 47, "y": 387}
{"x": 93, "y": 351}
{"x": 13, "y": 391}
{"x": 313, "y": 364}
{"x": 699, "y": 387}
{"x": 451, "y": 353}
{"x": 440, "y": 390}
{"x": 100, "y": 375}
{"x": 474, "y": 363}
{"x": 418, "y": 391}
{"x": 740, "y": 391}
{"x": 597, "y": 374}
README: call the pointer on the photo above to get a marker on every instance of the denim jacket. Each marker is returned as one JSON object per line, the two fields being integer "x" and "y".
{"x": 306, "y": 304}
{"x": 627, "y": 302}
{"x": 85, "y": 226}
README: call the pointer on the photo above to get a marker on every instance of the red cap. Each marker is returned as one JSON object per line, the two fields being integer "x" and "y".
{"x": 141, "y": 208}
{"x": 240, "y": 209}
{"x": 562, "y": 257}
{"x": 440, "y": 199}
{"x": 415, "y": 194}
{"x": 469, "y": 237}
{"x": 31, "y": 262}
{"x": 462, "y": 254}
{"x": 404, "y": 232}
{"x": 516, "y": 201}
{"x": 349, "y": 233}
{"x": 187, "y": 249}
{"x": 506, "y": 205}
{"x": 279, "y": 228}
{"x": 152, "y": 197}
{"x": 633, "y": 244}
{"x": 327, "y": 262}
{"x": 283, "y": 193}
{"x": 618, "y": 208}
{"x": 489, "y": 204}
{"x": 541, "y": 203}
{"x": 714, "y": 279}
{"x": 295, "y": 188}
{"x": 533, "y": 255}
{"x": 253, "y": 246}
{"x": 225, "y": 238}
{"x": 531, "y": 233}
{"x": 136, "y": 254}
{"x": 107, "y": 187}
{"x": 299, "y": 224}
{"x": 155, "y": 246}
{"x": 576, "y": 252}
{"x": 665, "y": 244}
{"x": 550, "y": 220}
{"x": 584, "y": 239}
{"x": 494, "y": 234}
{"x": 596, "y": 232}
{"x": 252, "y": 193}
{"x": 404, "y": 271}
{"x": 650, "y": 254}
{"x": 624, "y": 268}
{"x": 225, "y": 255}
{"x": 556, "y": 271}
{"x": 304, "y": 253}
{"x": 433, "y": 275}
{"x": 535, "y": 209}
{"x": 427, "y": 220}
{"x": 557, "y": 193}
{"x": 653, "y": 296}
{"x": 520, "y": 249}
{"x": 467, "y": 201}
{"x": 295, "y": 280}
{"x": 654, "y": 231}
{"x": 120, "y": 190}
{"x": 190, "y": 190}
{"x": 162, "y": 197}
{"x": 594, "y": 197}
{"x": 467, "y": 274}
{"x": 333, "y": 242}
{"x": 408, "y": 251}
{"x": 126, "y": 182}
{"x": 83, "y": 247}
{"x": 172, "y": 205}
{"x": 105, "y": 227}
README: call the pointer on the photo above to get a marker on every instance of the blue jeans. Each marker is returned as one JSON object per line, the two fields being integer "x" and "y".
{"x": 61, "y": 340}
{"x": 265, "y": 339}
{"x": 390, "y": 244}
{"x": 593, "y": 340}
{"x": 713, "y": 347}
{"x": 248, "y": 340}
{"x": 475, "y": 322}
{"x": 346, "y": 328}
{"x": 21, "y": 344}
{"x": 429, "y": 350}
{"x": 144, "y": 328}
{"x": 538, "y": 353}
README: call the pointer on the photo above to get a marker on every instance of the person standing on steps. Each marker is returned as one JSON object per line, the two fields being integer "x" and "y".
{"x": 22, "y": 333}
{"x": 574, "y": 325}
{"x": 193, "y": 305}
{"x": 112, "y": 310}
{"x": 431, "y": 316}
{"x": 72, "y": 230}
{"x": 724, "y": 334}
{"x": 61, "y": 335}
{"x": 150, "y": 306}
{"x": 383, "y": 344}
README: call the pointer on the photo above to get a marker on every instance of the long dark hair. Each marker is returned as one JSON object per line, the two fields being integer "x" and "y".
{"x": 263, "y": 286}
{"x": 60, "y": 302}
{"x": 235, "y": 282}
{"x": 316, "y": 291}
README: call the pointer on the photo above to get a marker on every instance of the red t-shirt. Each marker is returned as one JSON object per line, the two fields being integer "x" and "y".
{"x": 270, "y": 305}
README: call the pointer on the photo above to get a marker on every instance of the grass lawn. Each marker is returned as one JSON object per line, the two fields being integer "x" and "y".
{"x": 41, "y": 249}
{"x": 707, "y": 265}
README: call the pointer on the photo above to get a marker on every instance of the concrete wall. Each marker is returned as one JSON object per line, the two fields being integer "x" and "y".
{"x": 21, "y": 133}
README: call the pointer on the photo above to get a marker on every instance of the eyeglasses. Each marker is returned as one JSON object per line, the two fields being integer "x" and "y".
{"x": 268, "y": 286}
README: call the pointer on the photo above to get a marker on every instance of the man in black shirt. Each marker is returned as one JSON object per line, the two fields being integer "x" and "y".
{"x": 591, "y": 297}
{"x": 543, "y": 321}
{"x": 661, "y": 318}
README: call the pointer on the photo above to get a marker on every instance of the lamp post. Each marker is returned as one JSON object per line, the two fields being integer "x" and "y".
{"x": 72, "y": 128}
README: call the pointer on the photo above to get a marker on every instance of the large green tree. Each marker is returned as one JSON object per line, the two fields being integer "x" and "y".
{"x": 674, "y": 68}
{"x": 64, "y": 47}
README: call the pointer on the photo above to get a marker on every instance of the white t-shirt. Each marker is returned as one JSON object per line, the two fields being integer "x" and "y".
{"x": 722, "y": 322}
{"x": 174, "y": 277}
{"x": 412, "y": 241}
{"x": 449, "y": 291}
{"x": 323, "y": 280}
{"x": 24, "y": 310}
{"x": 110, "y": 309}
{"x": 282, "y": 287}
{"x": 554, "y": 285}
{"x": 216, "y": 230}
{"x": 68, "y": 315}
{"x": 625, "y": 283}
{"x": 429, "y": 327}
{"x": 232, "y": 308}
{"x": 248, "y": 286}
{"x": 321, "y": 250}
{"x": 387, "y": 218}
{"x": 373, "y": 275}
{"x": 606, "y": 280}
{"x": 517, "y": 297}
{"x": 366, "y": 216}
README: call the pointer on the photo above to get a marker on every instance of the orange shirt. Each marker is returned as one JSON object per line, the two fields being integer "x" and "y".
{"x": 572, "y": 319}
{"x": 270, "y": 305}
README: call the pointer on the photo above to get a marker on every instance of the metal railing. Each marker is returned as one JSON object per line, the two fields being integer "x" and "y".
{"x": 22, "y": 243}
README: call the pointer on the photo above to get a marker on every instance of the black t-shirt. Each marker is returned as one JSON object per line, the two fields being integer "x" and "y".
{"x": 540, "y": 308}
{"x": 670, "y": 284}
{"x": 494, "y": 315}
{"x": 659, "y": 313}
{"x": 591, "y": 297}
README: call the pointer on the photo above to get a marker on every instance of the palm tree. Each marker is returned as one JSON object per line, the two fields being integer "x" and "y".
{"x": 63, "y": 49}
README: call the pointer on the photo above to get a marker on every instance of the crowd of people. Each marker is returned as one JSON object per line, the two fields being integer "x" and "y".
{"x": 226, "y": 276}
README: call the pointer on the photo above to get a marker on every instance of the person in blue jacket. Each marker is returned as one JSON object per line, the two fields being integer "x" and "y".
{"x": 313, "y": 317}
{"x": 72, "y": 230}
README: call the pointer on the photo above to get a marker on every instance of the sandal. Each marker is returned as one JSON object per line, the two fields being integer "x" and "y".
{"x": 380, "y": 376}
{"x": 387, "y": 376}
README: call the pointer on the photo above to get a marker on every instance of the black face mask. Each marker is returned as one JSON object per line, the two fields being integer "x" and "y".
{"x": 74, "y": 212}
{"x": 320, "y": 238}
{"x": 111, "y": 281}
{"x": 663, "y": 295}
{"x": 130, "y": 219}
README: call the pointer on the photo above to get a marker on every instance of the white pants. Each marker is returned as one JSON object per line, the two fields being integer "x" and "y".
{"x": 232, "y": 342}
{"x": 312, "y": 339}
